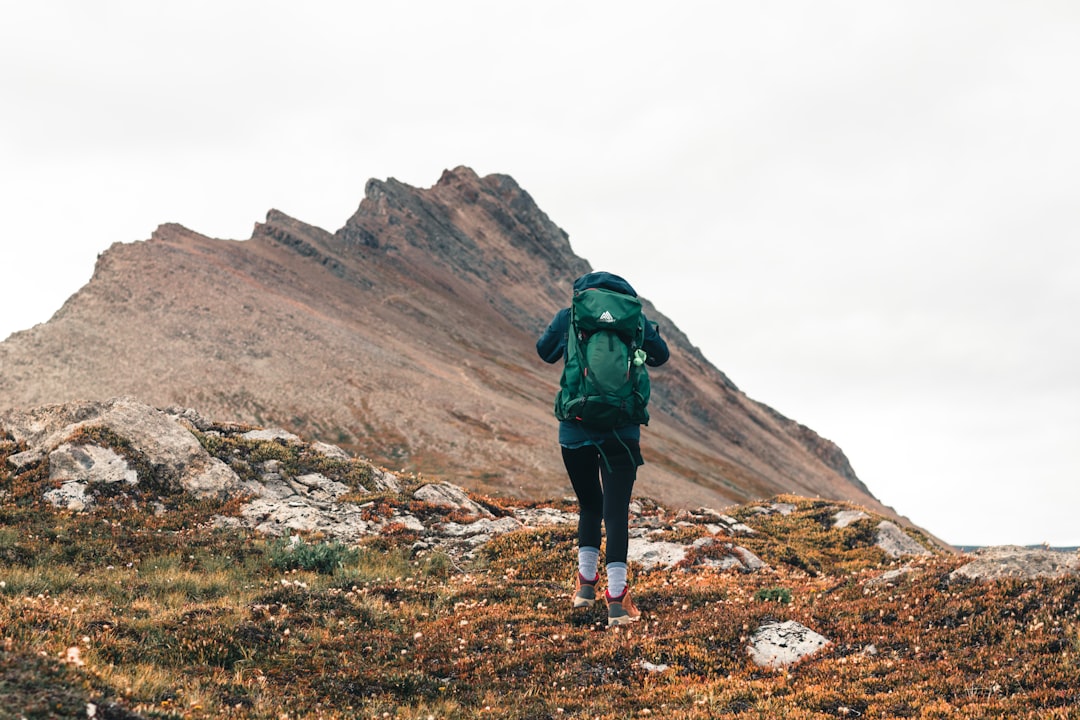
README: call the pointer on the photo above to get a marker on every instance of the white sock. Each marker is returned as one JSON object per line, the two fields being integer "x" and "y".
{"x": 616, "y": 579}
{"x": 588, "y": 561}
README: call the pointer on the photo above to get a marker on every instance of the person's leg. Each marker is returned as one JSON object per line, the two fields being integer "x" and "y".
{"x": 619, "y": 474}
{"x": 583, "y": 468}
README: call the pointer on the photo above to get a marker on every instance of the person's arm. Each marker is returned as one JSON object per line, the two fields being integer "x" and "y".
{"x": 552, "y": 344}
{"x": 654, "y": 345}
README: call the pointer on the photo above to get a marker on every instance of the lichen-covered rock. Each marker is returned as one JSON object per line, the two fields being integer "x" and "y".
{"x": 167, "y": 443}
{"x": 69, "y": 496}
{"x": 89, "y": 464}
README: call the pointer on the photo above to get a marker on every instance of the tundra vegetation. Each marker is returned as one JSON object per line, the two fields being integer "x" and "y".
{"x": 143, "y": 606}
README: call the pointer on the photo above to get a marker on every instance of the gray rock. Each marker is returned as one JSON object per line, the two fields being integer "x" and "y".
{"x": 409, "y": 522}
{"x": 845, "y": 517}
{"x": 191, "y": 416}
{"x": 70, "y": 496}
{"x": 650, "y": 554}
{"x": 278, "y": 518}
{"x": 450, "y": 496}
{"x": 22, "y": 461}
{"x": 330, "y": 451}
{"x": 895, "y": 542}
{"x": 320, "y": 487}
{"x": 891, "y": 577}
{"x": 736, "y": 527}
{"x": 271, "y": 434}
{"x": 540, "y": 517}
{"x": 750, "y": 561}
{"x": 88, "y": 464}
{"x": 384, "y": 480}
{"x": 1012, "y": 561}
{"x": 165, "y": 441}
{"x": 484, "y": 526}
{"x": 739, "y": 558}
{"x": 776, "y": 645}
{"x": 215, "y": 478}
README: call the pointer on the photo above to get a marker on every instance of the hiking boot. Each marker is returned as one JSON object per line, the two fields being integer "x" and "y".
{"x": 621, "y": 609}
{"x": 585, "y": 592}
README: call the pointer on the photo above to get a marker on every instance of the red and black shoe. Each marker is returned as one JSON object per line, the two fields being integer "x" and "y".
{"x": 621, "y": 610}
{"x": 585, "y": 592}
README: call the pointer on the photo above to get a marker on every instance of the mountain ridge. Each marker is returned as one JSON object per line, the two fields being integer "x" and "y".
{"x": 405, "y": 336}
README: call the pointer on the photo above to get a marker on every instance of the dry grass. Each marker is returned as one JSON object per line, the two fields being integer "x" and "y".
{"x": 171, "y": 618}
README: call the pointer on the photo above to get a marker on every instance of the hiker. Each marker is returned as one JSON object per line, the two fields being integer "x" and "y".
{"x": 602, "y": 454}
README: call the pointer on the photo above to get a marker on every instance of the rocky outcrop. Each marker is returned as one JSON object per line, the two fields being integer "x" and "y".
{"x": 1012, "y": 561}
{"x": 86, "y": 446}
{"x": 171, "y": 452}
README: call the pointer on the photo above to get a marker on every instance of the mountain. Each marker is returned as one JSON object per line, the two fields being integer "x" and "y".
{"x": 406, "y": 337}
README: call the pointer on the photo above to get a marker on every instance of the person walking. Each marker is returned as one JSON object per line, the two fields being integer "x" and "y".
{"x": 601, "y": 455}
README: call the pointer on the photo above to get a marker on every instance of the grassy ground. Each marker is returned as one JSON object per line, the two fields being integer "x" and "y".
{"x": 131, "y": 611}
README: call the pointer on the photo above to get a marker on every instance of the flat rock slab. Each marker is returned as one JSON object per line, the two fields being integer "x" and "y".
{"x": 1013, "y": 561}
{"x": 655, "y": 553}
{"x": 89, "y": 464}
{"x": 776, "y": 645}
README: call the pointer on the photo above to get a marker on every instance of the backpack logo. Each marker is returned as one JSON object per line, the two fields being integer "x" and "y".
{"x": 606, "y": 318}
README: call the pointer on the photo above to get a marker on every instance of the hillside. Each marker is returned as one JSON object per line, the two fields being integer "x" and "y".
{"x": 405, "y": 337}
{"x": 161, "y": 565}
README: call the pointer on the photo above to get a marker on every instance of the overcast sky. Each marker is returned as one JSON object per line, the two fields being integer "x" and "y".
{"x": 867, "y": 214}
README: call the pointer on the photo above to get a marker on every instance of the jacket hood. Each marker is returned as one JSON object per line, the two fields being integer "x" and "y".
{"x": 605, "y": 280}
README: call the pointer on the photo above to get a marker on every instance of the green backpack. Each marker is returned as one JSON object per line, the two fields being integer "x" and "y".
{"x": 604, "y": 384}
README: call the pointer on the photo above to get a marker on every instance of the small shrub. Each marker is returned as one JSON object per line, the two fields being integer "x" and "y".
{"x": 778, "y": 594}
{"x": 318, "y": 557}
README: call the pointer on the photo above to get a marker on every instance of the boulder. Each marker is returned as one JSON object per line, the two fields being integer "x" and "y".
{"x": 779, "y": 644}
{"x": 165, "y": 441}
{"x": 895, "y": 542}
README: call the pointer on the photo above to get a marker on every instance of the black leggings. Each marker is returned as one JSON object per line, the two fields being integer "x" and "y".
{"x": 603, "y": 490}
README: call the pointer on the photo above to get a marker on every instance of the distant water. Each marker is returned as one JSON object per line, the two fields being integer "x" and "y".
{"x": 973, "y": 548}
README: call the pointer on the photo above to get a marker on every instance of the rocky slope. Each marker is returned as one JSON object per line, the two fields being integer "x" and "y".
{"x": 158, "y": 564}
{"x": 406, "y": 337}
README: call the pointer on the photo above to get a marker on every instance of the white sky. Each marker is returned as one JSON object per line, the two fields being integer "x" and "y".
{"x": 865, "y": 213}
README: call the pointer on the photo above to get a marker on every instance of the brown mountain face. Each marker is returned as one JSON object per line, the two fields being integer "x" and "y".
{"x": 406, "y": 337}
